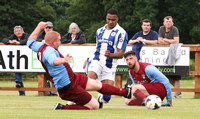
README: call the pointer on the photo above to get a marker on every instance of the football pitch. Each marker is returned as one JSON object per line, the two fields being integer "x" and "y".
{"x": 33, "y": 106}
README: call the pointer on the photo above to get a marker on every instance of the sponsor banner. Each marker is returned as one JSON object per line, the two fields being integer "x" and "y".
{"x": 157, "y": 56}
{"x": 167, "y": 70}
{"x": 23, "y": 59}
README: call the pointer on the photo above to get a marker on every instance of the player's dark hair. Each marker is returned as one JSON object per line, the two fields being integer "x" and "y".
{"x": 147, "y": 21}
{"x": 112, "y": 11}
{"x": 129, "y": 53}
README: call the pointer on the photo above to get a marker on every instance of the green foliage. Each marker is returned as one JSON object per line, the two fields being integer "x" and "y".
{"x": 25, "y": 76}
{"x": 192, "y": 65}
{"x": 142, "y": 9}
{"x": 192, "y": 68}
{"x": 90, "y": 32}
{"x": 90, "y": 15}
{"x": 60, "y": 23}
{"x": 24, "y": 13}
{"x": 195, "y": 34}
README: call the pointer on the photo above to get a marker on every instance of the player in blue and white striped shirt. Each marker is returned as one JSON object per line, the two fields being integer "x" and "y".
{"x": 111, "y": 45}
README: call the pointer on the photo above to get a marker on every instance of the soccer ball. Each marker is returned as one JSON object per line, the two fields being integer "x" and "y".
{"x": 153, "y": 102}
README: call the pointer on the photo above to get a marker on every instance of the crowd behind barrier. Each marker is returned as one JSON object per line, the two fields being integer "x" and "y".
{"x": 193, "y": 48}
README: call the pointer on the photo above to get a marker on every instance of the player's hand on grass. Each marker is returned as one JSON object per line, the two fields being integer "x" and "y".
{"x": 170, "y": 102}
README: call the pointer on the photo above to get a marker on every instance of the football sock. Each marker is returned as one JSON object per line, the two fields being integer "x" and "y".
{"x": 136, "y": 102}
{"x": 70, "y": 102}
{"x": 140, "y": 96}
{"x": 111, "y": 90}
{"x": 75, "y": 107}
{"x": 106, "y": 98}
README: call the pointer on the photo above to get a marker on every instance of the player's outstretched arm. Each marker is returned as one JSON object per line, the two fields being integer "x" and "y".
{"x": 37, "y": 30}
{"x": 66, "y": 59}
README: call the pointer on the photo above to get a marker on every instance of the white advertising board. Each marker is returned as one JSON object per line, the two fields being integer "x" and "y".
{"x": 23, "y": 59}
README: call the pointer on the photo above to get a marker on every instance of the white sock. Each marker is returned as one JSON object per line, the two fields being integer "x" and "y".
{"x": 101, "y": 99}
{"x": 70, "y": 102}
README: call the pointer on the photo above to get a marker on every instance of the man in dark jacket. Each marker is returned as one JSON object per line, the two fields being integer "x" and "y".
{"x": 18, "y": 38}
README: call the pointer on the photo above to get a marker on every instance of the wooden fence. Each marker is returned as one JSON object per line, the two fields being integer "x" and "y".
{"x": 193, "y": 48}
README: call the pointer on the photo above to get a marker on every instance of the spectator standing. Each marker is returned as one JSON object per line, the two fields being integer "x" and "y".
{"x": 74, "y": 35}
{"x": 146, "y": 36}
{"x": 18, "y": 38}
{"x": 111, "y": 42}
{"x": 71, "y": 86}
{"x": 169, "y": 34}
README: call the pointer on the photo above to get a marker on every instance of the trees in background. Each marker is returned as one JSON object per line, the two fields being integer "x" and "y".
{"x": 186, "y": 15}
{"x": 24, "y": 13}
{"x": 90, "y": 15}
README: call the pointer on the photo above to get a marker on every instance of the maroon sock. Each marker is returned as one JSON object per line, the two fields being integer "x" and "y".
{"x": 75, "y": 107}
{"x": 139, "y": 95}
{"x": 136, "y": 102}
{"x": 111, "y": 90}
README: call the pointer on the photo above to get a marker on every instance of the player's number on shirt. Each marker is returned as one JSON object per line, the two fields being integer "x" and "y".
{"x": 40, "y": 56}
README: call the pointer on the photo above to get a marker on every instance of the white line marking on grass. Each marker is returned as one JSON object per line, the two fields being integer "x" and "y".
{"x": 37, "y": 107}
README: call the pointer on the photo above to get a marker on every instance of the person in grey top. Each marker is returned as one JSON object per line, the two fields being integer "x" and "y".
{"x": 169, "y": 34}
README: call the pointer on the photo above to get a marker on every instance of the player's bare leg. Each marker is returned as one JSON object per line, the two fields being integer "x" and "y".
{"x": 92, "y": 75}
{"x": 92, "y": 104}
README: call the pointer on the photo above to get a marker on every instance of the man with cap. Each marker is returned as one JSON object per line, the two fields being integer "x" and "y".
{"x": 47, "y": 29}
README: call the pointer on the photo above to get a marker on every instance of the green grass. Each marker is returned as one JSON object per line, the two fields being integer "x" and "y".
{"x": 33, "y": 106}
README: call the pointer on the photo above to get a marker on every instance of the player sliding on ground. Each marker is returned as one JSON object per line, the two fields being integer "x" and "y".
{"x": 71, "y": 86}
{"x": 148, "y": 80}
